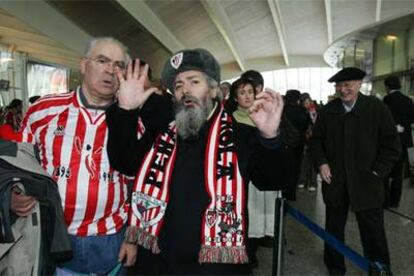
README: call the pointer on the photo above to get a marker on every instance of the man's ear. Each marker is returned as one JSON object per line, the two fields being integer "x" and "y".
{"x": 214, "y": 92}
{"x": 83, "y": 65}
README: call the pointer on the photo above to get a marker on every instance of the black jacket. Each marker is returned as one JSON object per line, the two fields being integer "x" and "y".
{"x": 402, "y": 110}
{"x": 356, "y": 145}
{"x": 17, "y": 164}
{"x": 179, "y": 240}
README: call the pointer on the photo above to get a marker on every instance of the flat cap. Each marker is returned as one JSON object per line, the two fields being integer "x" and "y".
{"x": 190, "y": 59}
{"x": 348, "y": 73}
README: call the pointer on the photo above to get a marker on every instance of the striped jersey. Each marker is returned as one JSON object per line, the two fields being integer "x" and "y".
{"x": 72, "y": 143}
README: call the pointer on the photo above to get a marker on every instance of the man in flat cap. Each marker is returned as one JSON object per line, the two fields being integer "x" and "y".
{"x": 191, "y": 169}
{"x": 355, "y": 145}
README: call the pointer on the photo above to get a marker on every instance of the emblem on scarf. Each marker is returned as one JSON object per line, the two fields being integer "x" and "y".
{"x": 143, "y": 204}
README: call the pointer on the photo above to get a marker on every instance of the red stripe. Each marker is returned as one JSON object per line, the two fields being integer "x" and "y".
{"x": 224, "y": 181}
{"x": 234, "y": 186}
{"x": 57, "y": 143}
{"x": 42, "y": 148}
{"x": 94, "y": 178}
{"x": 173, "y": 157}
{"x": 72, "y": 181}
{"x": 206, "y": 170}
{"x": 122, "y": 196}
{"x": 35, "y": 125}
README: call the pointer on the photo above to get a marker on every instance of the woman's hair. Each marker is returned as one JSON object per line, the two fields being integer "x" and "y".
{"x": 15, "y": 103}
{"x": 231, "y": 104}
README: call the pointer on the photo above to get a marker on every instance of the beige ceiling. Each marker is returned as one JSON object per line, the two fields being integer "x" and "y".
{"x": 242, "y": 34}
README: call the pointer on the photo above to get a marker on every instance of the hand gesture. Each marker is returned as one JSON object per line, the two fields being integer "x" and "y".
{"x": 325, "y": 172}
{"x": 266, "y": 112}
{"x": 132, "y": 94}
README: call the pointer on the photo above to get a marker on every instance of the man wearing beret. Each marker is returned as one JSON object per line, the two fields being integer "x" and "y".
{"x": 191, "y": 168}
{"x": 355, "y": 145}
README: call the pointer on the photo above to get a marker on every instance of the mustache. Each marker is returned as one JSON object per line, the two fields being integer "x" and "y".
{"x": 189, "y": 98}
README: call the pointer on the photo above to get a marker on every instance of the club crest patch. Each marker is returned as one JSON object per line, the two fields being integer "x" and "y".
{"x": 176, "y": 60}
{"x": 142, "y": 203}
{"x": 211, "y": 216}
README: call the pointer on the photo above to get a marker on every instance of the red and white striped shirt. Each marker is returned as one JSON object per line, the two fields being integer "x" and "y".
{"x": 72, "y": 143}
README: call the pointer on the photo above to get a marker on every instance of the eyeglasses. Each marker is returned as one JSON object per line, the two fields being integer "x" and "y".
{"x": 104, "y": 62}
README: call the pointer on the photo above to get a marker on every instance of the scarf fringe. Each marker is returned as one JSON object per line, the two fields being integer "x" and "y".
{"x": 223, "y": 254}
{"x": 138, "y": 236}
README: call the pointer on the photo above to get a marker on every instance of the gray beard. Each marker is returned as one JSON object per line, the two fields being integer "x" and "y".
{"x": 190, "y": 120}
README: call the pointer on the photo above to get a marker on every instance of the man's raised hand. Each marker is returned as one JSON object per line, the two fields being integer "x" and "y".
{"x": 132, "y": 94}
{"x": 266, "y": 112}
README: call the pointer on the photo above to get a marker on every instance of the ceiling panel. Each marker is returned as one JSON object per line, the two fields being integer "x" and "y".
{"x": 192, "y": 26}
{"x": 305, "y": 25}
{"x": 351, "y": 15}
{"x": 254, "y": 28}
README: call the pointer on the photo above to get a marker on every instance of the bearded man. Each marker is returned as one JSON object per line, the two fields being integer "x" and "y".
{"x": 192, "y": 166}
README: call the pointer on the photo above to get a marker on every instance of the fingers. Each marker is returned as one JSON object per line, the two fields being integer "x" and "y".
{"x": 325, "y": 172}
{"x": 144, "y": 73}
{"x": 128, "y": 254}
{"x": 137, "y": 69}
{"x": 24, "y": 212}
{"x": 129, "y": 71}
{"x": 122, "y": 253}
{"x": 257, "y": 105}
{"x": 120, "y": 75}
{"x": 22, "y": 205}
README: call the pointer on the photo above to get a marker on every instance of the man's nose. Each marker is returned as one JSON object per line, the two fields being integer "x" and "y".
{"x": 110, "y": 68}
{"x": 186, "y": 89}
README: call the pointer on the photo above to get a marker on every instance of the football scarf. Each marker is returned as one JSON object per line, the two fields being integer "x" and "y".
{"x": 223, "y": 224}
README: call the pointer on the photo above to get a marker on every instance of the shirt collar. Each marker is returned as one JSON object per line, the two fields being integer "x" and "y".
{"x": 85, "y": 103}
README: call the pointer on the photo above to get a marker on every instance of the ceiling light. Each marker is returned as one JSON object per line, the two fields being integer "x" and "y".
{"x": 5, "y": 59}
{"x": 391, "y": 37}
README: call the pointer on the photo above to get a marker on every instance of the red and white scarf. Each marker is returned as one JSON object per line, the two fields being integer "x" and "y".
{"x": 223, "y": 224}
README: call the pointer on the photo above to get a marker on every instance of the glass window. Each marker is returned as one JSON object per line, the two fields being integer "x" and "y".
{"x": 44, "y": 79}
{"x": 312, "y": 80}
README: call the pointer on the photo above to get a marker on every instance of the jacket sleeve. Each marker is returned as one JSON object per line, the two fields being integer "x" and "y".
{"x": 316, "y": 142}
{"x": 131, "y": 133}
{"x": 389, "y": 144}
{"x": 266, "y": 170}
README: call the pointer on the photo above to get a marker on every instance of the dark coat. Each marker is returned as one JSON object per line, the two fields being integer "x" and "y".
{"x": 402, "y": 110}
{"x": 356, "y": 145}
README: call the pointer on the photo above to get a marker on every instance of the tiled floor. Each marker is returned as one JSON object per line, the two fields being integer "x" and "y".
{"x": 303, "y": 251}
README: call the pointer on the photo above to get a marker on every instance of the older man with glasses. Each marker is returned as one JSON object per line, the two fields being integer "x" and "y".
{"x": 71, "y": 133}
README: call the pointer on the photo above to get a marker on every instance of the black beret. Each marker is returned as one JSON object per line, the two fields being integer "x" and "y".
{"x": 186, "y": 60}
{"x": 348, "y": 73}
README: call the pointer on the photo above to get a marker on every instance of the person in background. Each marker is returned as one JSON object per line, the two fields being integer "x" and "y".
{"x": 355, "y": 145}
{"x": 299, "y": 117}
{"x": 402, "y": 110}
{"x": 33, "y": 99}
{"x": 71, "y": 133}
{"x": 308, "y": 173}
{"x": 12, "y": 117}
{"x": 291, "y": 140}
{"x": 225, "y": 90}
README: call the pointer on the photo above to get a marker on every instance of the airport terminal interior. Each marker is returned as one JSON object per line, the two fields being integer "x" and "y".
{"x": 295, "y": 44}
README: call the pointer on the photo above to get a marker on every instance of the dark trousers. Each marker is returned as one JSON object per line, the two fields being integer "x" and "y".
{"x": 372, "y": 234}
{"x": 393, "y": 185}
